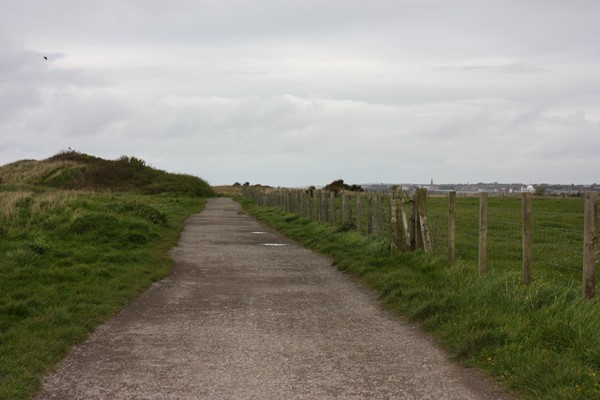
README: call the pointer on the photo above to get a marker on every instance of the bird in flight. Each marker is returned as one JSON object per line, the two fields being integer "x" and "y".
{"x": 45, "y": 58}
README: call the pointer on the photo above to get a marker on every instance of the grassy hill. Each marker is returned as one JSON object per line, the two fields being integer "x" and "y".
{"x": 71, "y": 259}
{"x": 74, "y": 170}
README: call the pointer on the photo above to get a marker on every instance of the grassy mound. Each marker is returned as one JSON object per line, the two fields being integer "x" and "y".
{"x": 80, "y": 237}
{"x": 74, "y": 170}
{"x": 69, "y": 261}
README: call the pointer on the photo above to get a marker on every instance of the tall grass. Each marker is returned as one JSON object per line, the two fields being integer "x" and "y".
{"x": 70, "y": 260}
{"x": 540, "y": 341}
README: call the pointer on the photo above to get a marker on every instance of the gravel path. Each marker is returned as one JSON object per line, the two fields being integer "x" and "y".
{"x": 239, "y": 319}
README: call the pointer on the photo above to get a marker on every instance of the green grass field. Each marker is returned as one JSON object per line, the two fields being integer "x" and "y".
{"x": 558, "y": 233}
{"x": 558, "y": 228}
{"x": 540, "y": 341}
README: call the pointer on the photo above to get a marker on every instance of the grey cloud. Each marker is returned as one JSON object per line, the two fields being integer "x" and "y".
{"x": 296, "y": 93}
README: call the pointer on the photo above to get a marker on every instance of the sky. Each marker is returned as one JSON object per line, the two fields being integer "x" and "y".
{"x": 296, "y": 93}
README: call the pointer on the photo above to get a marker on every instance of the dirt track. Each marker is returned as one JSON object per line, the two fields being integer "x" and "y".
{"x": 241, "y": 320}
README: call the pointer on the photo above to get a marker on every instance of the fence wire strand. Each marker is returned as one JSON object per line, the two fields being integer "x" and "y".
{"x": 557, "y": 233}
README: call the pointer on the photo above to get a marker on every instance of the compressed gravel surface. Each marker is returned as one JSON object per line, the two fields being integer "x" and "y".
{"x": 250, "y": 314}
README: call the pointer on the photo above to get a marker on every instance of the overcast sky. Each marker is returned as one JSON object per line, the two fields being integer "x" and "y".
{"x": 292, "y": 93}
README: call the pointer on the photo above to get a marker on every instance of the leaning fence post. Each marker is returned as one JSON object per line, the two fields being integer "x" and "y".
{"x": 527, "y": 238}
{"x": 590, "y": 245}
{"x": 451, "y": 226}
{"x": 483, "y": 229}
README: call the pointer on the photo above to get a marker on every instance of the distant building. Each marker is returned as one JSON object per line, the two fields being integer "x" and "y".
{"x": 528, "y": 189}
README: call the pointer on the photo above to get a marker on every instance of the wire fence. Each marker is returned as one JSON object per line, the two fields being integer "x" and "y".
{"x": 558, "y": 247}
{"x": 557, "y": 237}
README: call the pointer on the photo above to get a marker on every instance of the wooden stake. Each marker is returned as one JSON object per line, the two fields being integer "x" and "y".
{"x": 322, "y": 206}
{"x": 382, "y": 208}
{"x": 526, "y": 199}
{"x": 483, "y": 228}
{"x": 370, "y": 214}
{"x": 451, "y": 226}
{"x": 375, "y": 216}
{"x": 590, "y": 245}
{"x": 413, "y": 222}
{"x": 333, "y": 208}
{"x": 423, "y": 226}
{"x": 407, "y": 239}
{"x": 395, "y": 242}
{"x": 358, "y": 212}
{"x": 343, "y": 209}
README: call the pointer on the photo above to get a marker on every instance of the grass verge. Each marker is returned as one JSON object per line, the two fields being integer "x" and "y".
{"x": 70, "y": 261}
{"x": 540, "y": 341}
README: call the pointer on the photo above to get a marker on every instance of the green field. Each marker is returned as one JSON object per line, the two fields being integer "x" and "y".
{"x": 557, "y": 238}
{"x": 558, "y": 227}
{"x": 540, "y": 341}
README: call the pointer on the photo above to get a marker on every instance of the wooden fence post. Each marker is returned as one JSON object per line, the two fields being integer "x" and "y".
{"x": 321, "y": 206}
{"x": 527, "y": 238}
{"x": 297, "y": 204}
{"x": 343, "y": 208}
{"x": 349, "y": 207}
{"x": 590, "y": 245}
{"x": 333, "y": 207}
{"x": 281, "y": 202}
{"x": 370, "y": 213}
{"x": 359, "y": 212}
{"x": 314, "y": 204}
{"x": 395, "y": 243}
{"x": 382, "y": 208}
{"x": 375, "y": 215}
{"x": 451, "y": 226}
{"x": 414, "y": 243}
{"x": 422, "y": 224}
{"x": 293, "y": 202}
{"x": 407, "y": 237}
{"x": 483, "y": 229}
